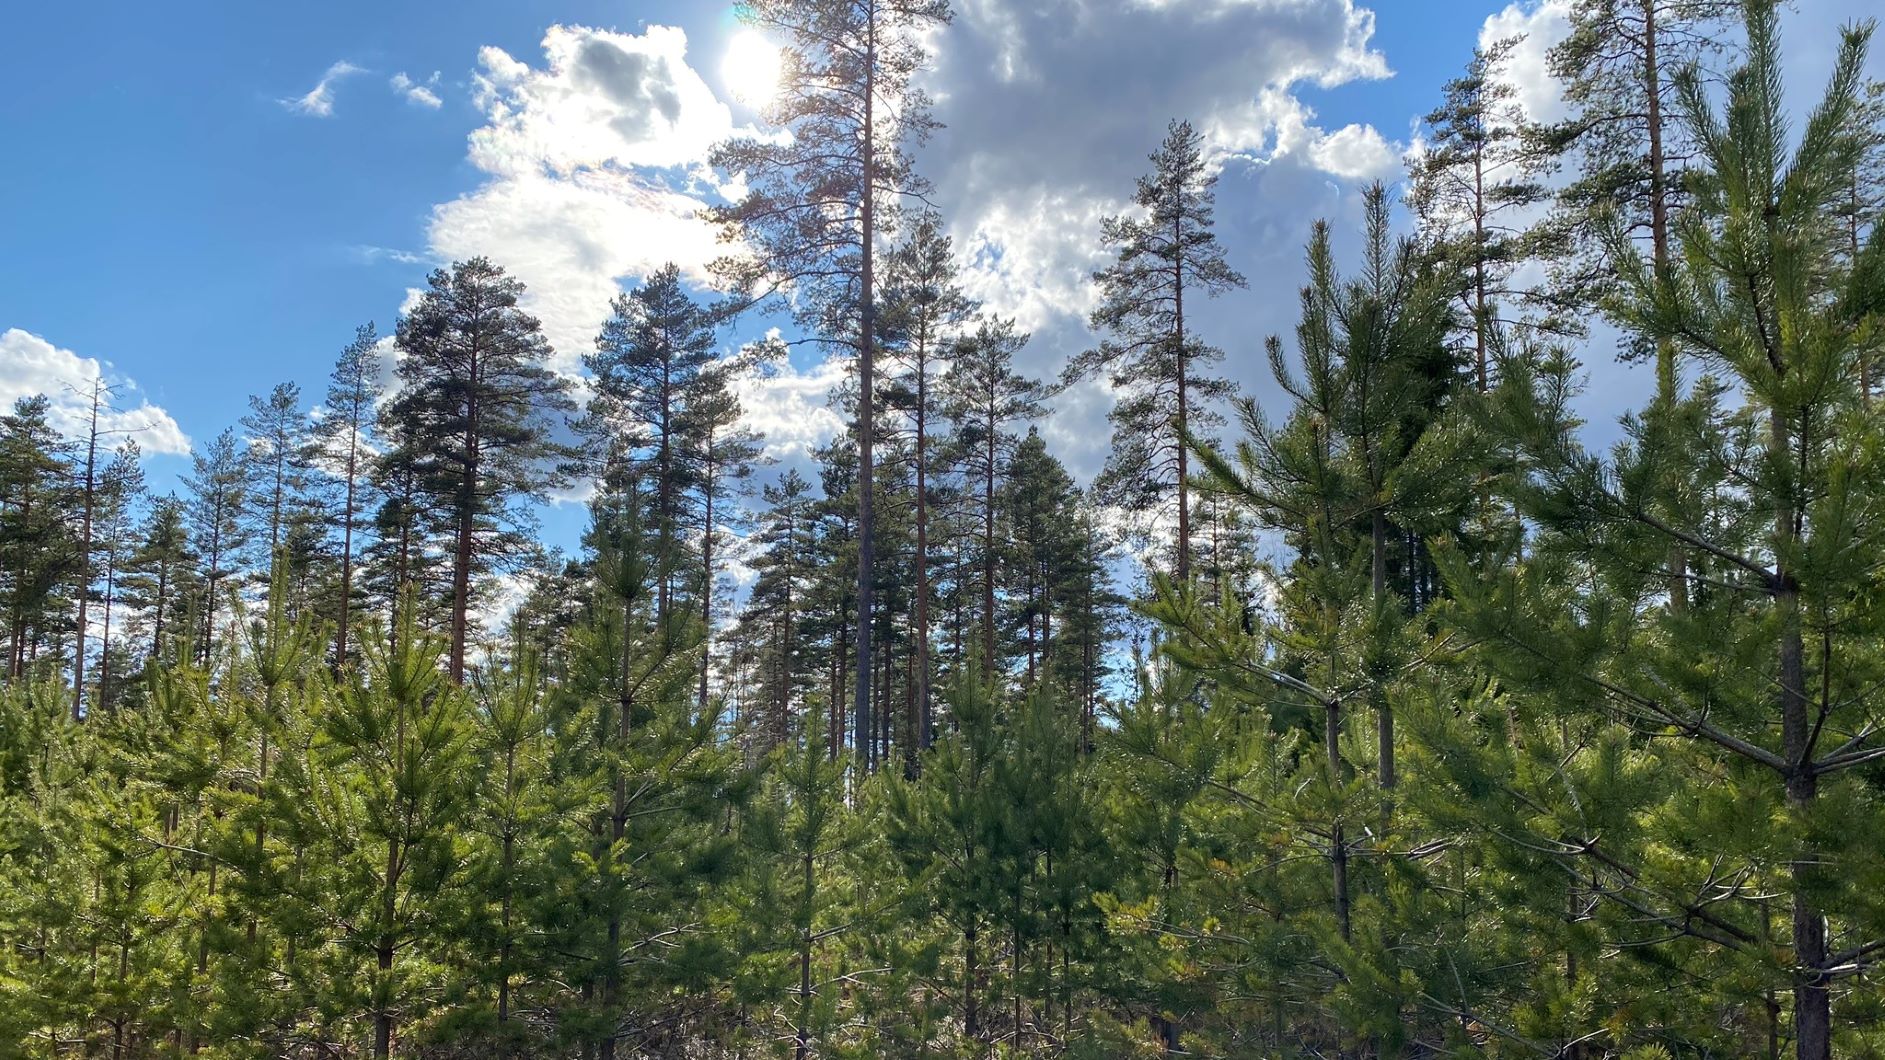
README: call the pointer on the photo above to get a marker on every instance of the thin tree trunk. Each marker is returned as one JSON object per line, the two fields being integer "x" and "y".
{"x": 706, "y": 582}
{"x": 1184, "y": 402}
{"x": 1812, "y": 998}
{"x": 346, "y": 546}
{"x": 1659, "y": 248}
{"x": 509, "y": 863}
{"x": 971, "y": 1018}
{"x": 88, "y": 497}
{"x": 104, "y": 652}
{"x": 920, "y": 721}
{"x": 1479, "y": 267}
{"x": 467, "y": 524}
{"x": 383, "y": 1015}
{"x": 1338, "y": 844}
{"x": 988, "y": 548}
{"x": 805, "y": 957}
{"x": 618, "y": 827}
{"x": 866, "y": 384}
{"x": 1384, "y": 713}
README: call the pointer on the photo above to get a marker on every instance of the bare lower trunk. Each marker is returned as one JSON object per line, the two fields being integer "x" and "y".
{"x": 1178, "y": 332}
{"x": 1812, "y": 1000}
{"x": 1338, "y": 843}
{"x": 1384, "y": 713}
{"x": 805, "y": 966}
{"x": 920, "y": 716}
{"x": 866, "y": 384}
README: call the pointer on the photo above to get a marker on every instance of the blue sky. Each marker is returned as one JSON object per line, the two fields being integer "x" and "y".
{"x": 167, "y": 208}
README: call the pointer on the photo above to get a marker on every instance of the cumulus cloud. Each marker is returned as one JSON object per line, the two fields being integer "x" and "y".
{"x": 602, "y": 97}
{"x": 1537, "y": 26}
{"x": 572, "y": 239}
{"x": 419, "y": 93}
{"x": 1050, "y": 110}
{"x": 595, "y": 161}
{"x": 1031, "y": 256}
{"x": 791, "y": 406}
{"x": 319, "y": 100}
{"x": 596, "y": 172}
{"x": 31, "y": 365}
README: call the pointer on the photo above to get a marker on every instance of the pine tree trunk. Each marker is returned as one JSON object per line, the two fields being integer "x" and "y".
{"x": 383, "y": 1015}
{"x": 618, "y": 827}
{"x": 87, "y": 498}
{"x": 971, "y": 1018}
{"x": 1338, "y": 843}
{"x": 346, "y": 546}
{"x": 1812, "y": 998}
{"x": 805, "y": 957}
{"x": 1184, "y": 396}
{"x": 509, "y": 868}
{"x": 920, "y": 713}
{"x": 1384, "y": 713}
{"x": 866, "y": 385}
{"x": 988, "y": 548}
{"x": 1479, "y": 268}
{"x": 706, "y": 577}
{"x": 104, "y": 652}
{"x": 467, "y": 524}
{"x": 1659, "y": 249}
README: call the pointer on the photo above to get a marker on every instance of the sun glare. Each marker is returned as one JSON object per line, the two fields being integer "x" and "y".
{"x": 751, "y": 68}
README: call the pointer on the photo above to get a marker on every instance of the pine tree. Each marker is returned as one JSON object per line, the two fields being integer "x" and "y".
{"x": 516, "y": 808}
{"x": 395, "y": 777}
{"x": 342, "y": 440}
{"x": 806, "y": 832}
{"x": 219, "y": 531}
{"x": 1618, "y": 65}
{"x": 121, "y": 489}
{"x": 723, "y": 458}
{"x": 1471, "y": 185}
{"x": 276, "y": 432}
{"x": 474, "y": 415}
{"x": 646, "y": 371}
{"x": 160, "y": 574}
{"x": 785, "y": 567}
{"x": 87, "y": 487}
{"x": 1166, "y": 251}
{"x": 38, "y": 555}
{"x": 404, "y": 563}
{"x": 662, "y": 782}
{"x": 1746, "y": 679}
{"x": 1039, "y": 550}
{"x": 818, "y": 201}
{"x": 923, "y": 308}
{"x": 948, "y": 830}
{"x": 985, "y": 394}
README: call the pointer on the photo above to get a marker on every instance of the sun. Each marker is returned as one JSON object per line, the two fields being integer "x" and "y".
{"x": 751, "y": 68}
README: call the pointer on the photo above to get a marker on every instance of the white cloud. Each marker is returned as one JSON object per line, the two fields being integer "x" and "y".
{"x": 1031, "y": 256}
{"x": 419, "y": 93}
{"x": 319, "y": 101}
{"x": 791, "y": 407}
{"x": 1050, "y": 109}
{"x": 596, "y": 166}
{"x": 603, "y": 98}
{"x": 373, "y": 255}
{"x": 30, "y": 365}
{"x": 595, "y": 162}
{"x": 1527, "y": 68}
{"x": 571, "y": 239}
{"x": 1276, "y": 125}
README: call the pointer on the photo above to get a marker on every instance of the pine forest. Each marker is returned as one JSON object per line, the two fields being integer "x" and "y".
{"x": 1407, "y": 714}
